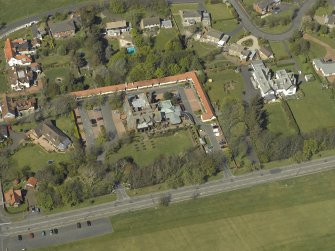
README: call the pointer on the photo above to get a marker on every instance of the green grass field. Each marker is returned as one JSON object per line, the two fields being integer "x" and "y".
{"x": 279, "y": 50}
{"x": 202, "y": 49}
{"x": 4, "y": 87}
{"x": 217, "y": 92}
{"x": 315, "y": 110}
{"x": 23, "y": 157}
{"x": 145, "y": 151}
{"x": 18, "y": 9}
{"x": 57, "y": 72}
{"x": 296, "y": 214}
{"x": 183, "y": 6}
{"x": 219, "y": 11}
{"x": 164, "y": 36}
{"x": 278, "y": 121}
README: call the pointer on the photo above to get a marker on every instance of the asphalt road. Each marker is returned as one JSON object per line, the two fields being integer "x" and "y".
{"x": 65, "y": 234}
{"x": 177, "y": 195}
{"x": 295, "y": 24}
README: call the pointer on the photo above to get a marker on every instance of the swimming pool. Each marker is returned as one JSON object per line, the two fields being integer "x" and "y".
{"x": 131, "y": 50}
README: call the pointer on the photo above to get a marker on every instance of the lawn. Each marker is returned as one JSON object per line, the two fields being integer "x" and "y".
{"x": 58, "y": 72}
{"x": 219, "y": 11}
{"x": 164, "y": 36}
{"x": 3, "y": 83}
{"x": 66, "y": 123}
{"x": 324, "y": 10}
{"x": 217, "y": 92}
{"x": 279, "y": 50}
{"x": 225, "y": 25}
{"x": 278, "y": 121}
{"x": 187, "y": 6}
{"x": 202, "y": 49}
{"x": 40, "y": 158}
{"x": 296, "y": 214}
{"x": 54, "y": 60}
{"x": 315, "y": 110}
{"x": 18, "y": 9}
{"x": 145, "y": 151}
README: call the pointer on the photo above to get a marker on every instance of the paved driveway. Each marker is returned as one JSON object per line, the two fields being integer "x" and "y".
{"x": 65, "y": 234}
{"x": 87, "y": 126}
{"x": 109, "y": 124}
{"x": 255, "y": 45}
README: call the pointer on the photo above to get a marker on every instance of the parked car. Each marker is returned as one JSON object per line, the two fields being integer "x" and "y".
{"x": 31, "y": 235}
{"x": 89, "y": 223}
{"x": 19, "y": 237}
{"x": 51, "y": 232}
{"x": 78, "y": 225}
{"x": 44, "y": 233}
{"x": 56, "y": 231}
{"x": 100, "y": 118}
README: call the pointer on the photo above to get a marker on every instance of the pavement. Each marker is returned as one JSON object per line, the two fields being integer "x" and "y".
{"x": 65, "y": 234}
{"x": 253, "y": 29}
{"x": 255, "y": 45}
{"x": 87, "y": 126}
{"x": 177, "y": 195}
{"x": 109, "y": 124}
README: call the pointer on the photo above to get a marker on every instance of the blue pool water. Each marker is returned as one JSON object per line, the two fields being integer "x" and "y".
{"x": 131, "y": 50}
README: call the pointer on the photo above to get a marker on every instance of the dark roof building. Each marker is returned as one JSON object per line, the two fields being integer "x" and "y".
{"x": 62, "y": 29}
{"x": 53, "y": 135}
{"x": 151, "y": 22}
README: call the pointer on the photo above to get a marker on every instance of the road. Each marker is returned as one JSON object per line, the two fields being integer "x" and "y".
{"x": 177, "y": 195}
{"x": 247, "y": 23}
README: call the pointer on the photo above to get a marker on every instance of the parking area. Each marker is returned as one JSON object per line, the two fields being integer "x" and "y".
{"x": 59, "y": 235}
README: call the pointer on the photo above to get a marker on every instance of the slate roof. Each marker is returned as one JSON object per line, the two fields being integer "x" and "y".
{"x": 67, "y": 25}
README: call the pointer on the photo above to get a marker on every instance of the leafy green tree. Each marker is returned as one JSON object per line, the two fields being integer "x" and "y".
{"x": 117, "y": 6}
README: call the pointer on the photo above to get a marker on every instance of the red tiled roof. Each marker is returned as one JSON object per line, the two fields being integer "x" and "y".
{"x": 206, "y": 116}
{"x": 13, "y": 196}
{"x": 23, "y": 58}
{"x": 32, "y": 181}
{"x": 9, "y": 53}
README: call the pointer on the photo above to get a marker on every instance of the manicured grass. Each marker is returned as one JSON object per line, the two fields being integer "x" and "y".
{"x": 219, "y": 11}
{"x": 278, "y": 121}
{"x": 202, "y": 49}
{"x": 18, "y": 9}
{"x": 3, "y": 83}
{"x": 217, "y": 92}
{"x": 57, "y": 72}
{"x": 145, "y": 151}
{"x": 325, "y": 39}
{"x": 279, "y": 50}
{"x": 315, "y": 110}
{"x": 164, "y": 36}
{"x": 35, "y": 157}
{"x": 66, "y": 123}
{"x": 54, "y": 60}
{"x": 181, "y": 6}
{"x": 295, "y": 214}
{"x": 225, "y": 25}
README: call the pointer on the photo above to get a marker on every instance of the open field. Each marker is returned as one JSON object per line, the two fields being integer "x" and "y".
{"x": 57, "y": 72}
{"x": 219, "y": 11}
{"x": 219, "y": 90}
{"x": 279, "y": 50}
{"x": 296, "y": 214}
{"x": 164, "y": 36}
{"x": 3, "y": 83}
{"x": 202, "y": 49}
{"x": 145, "y": 151}
{"x": 278, "y": 121}
{"x": 18, "y": 9}
{"x": 23, "y": 157}
{"x": 183, "y": 6}
{"x": 315, "y": 110}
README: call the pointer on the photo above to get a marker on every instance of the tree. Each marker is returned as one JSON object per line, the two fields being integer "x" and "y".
{"x": 310, "y": 148}
{"x": 117, "y": 6}
{"x": 168, "y": 95}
